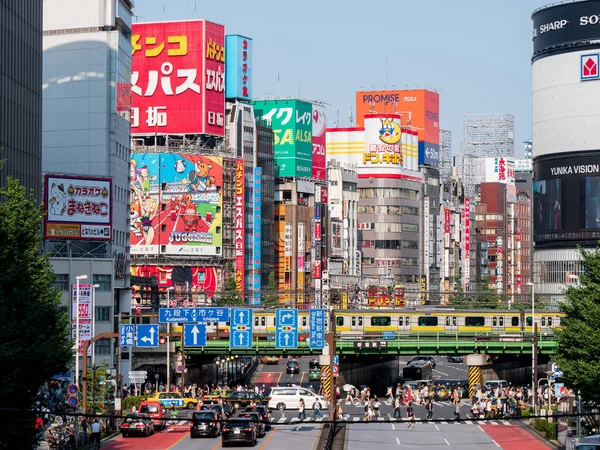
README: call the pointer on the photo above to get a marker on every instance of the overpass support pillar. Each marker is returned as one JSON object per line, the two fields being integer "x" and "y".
{"x": 475, "y": 362}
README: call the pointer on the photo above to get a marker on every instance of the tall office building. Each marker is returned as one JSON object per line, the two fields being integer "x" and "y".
{"x": 446, "y": 159}
{"x": 21, "y": 92}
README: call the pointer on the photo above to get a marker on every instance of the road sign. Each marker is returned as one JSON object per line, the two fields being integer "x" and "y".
{"x": 194, "y": 335}
{"x": 72, "y": 402}
{"x": 126, "y": 335}
{"x": 324, "y": 375}
{"x": 240, "y": 333}
{"x": 182, "y": 315}
{"x": 286, "y": 328}
{"x": 72, "y": 389}
{"x": 335, "y": 370}
{"x": 316, "y": 324}
{"x": 370, "y": 344}
{"x": 147, "y": 335}
{"x": 133, "y": 373}
{"x": 336, "y": 360}
{"x": 388, "y": 334}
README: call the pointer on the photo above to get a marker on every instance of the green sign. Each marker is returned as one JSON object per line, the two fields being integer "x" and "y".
{"x": 291, "y": 121}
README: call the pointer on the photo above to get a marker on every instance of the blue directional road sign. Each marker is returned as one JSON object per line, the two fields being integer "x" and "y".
{"x": 147, "y": 335}
{"x": 286, "y": 328}
{"x": 388, "y": 334}
{"x": 336, "y": 360}
{"x": 316, "y": 326}
{"x": 240, "y": 335}
{"x": 182, "y": 315}
{"x": 194, "y": 335}
{"x": 127, "y": 335}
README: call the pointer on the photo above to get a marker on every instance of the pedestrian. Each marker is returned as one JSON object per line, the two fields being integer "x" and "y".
{"x": 302, "y": 410}
{"x": 96, "y": 433}
{"x": 397, "y": 406}
{"x": 457, "y": 412}
{"x": 410, "y": 415}
{"x": 376, "y": 406}
{"x": 316, "y": 410}
{"x": 429, "y": 408}
{"x": 339, "y": 412}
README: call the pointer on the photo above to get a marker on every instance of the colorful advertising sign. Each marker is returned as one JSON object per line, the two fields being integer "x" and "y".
{"x": 500, "y": 170}
{"x": 188, "y": 58}
{"x": 301, "y": 250}
{"x": 77, "y": 208}
{"x": 85, "y": 314}
{"x": 319, "y": 160}
{"x": 466, "y": 276}
{"x": 257, "y": 247}
{"x": 238, "y": 67}
{"x": 382, "y": 155}
{"x": 176, "y": 204}
{"x": 178, "y": 286}
{"x": 291, "y": 121}
{"x": 240, "y": 192}
{"x": 336, "y": 249}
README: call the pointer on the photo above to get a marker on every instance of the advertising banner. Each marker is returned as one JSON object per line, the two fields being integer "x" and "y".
{"x": 238, "y": 67}
{"x": 446, "y": 226}
{"x": 178, "y": 78}
{"x": 240, "y": 192}
{"x": 523, "y": 165}
{"x": 178, "y": 286}
{"x": 382, "y": 155}
{"x": 426, "y": 235}
{"x": 429, "y": 154}
{"x": 500, "y": 170}
{"x": 85, "y": 301}
{"x": 77, "y": 208}
{"x": 319, "y": 124}
{"x": 300, "y": 268}
{"x": 176, "y": 204}
{"x": 466, "y": 242}
{"x": 291, "y": 121}
{"x": 257, "y": 244}
{"x": 336, "y": 249}
{"x": 287, "y": 249}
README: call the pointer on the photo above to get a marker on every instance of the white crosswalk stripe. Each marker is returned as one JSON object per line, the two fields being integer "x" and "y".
{"x": 356, "y": 418}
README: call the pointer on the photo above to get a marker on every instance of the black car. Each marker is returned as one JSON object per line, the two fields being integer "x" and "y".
{"x": 430, "y": 359}
{"x": 292, "y": 367}
{"x": 205, "y": 423}
{"x": 265, "y": 414}
{"x": 256, "y": 418}
{"x": 455, "y": 358}
{"x": 214, "y": 407}
{"x": 238, "y": 431}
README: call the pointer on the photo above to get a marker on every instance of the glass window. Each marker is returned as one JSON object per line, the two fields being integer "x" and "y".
{"x": 401, "y": 321}
{"x": 256, "y": 321}
{"x": 543, "y": 321}
{"x": 501, "y": 321}
{"x": 262, "y": 321}
{"x": 549, "y": 321}
{"x": 360, "y": 321}
{"x": 103, "y": 314}
{"x": 410, "y": 210}
{"x": 427, "y": 321}
{"x": 340, "y": 321}
{"x": 304, "y": 321}
{"x": 407, "y": 320}
{"x": 62, "y": 281}
{"x": 410, "y": 227}
{"x": 514, "y": 321}
{"x": 495, "y": 321}
{"x": 105, "y": 282}
{"x": 102, "y": 347}
{"x": 354, "y": 321}
{"x": 447, "y": 321}
{"x": 528, "y": 321}
{"x": 381, "y": 321}
{"x": 474, "y": 321}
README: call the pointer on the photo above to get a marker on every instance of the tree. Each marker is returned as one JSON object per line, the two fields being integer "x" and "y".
{"x": 485, "y": 296}
{"x": 577, "y": 351}
{"x": 35, "y": 335}
{"x": 230, "y": 296}
{"x": 458, "y": 299}
{"x": 270, "y": 297}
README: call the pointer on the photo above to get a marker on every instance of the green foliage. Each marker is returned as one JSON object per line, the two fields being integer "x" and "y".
{"x": 458, "y": 298}
{"x": 577, "y": 351}
{"x": 550, "y": 429}
{"x": 101, "y": 391}
{"x": 230, "y": 296}
{"x": 130, "y": 401}
{"x": 527, "y": 412}
{"x": 35, "y": 333}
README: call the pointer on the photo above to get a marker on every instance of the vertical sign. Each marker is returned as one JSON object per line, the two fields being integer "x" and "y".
{"x": 85, "y": 314}
{"x": 316, "y": 325}
{"x": 319, "y": 124}
{"x": 239, "y": 224}
{"x": 287, "y": 248}
{"x": 240, "y": 335}
{"x": 446, "y": 226}
{"x": 426, "y": 240}
{"x": 301, "y": 251}
{"x": 238, "y": 67}
{"x": 257, "y": 247}
{"x": 126, "y": 335}
{"x": 467, "y": 243}
{"x": 286, "y": 328}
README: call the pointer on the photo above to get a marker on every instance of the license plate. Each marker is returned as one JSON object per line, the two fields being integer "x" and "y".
{"x": 202, "y": 427}
{"x": 236, "y": 431}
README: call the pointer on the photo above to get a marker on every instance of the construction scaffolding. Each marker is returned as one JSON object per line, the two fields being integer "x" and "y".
{"x": 446, "y": 158}
{"x": 484, "y": 136}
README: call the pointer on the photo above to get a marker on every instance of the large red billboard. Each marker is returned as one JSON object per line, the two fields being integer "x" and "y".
{"x": 178, "y": 78}
{"x": 319, "y": 124}
{"x": 240, "y": 242}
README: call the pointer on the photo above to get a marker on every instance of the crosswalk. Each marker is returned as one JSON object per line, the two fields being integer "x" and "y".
{"x": 439, "y": 404}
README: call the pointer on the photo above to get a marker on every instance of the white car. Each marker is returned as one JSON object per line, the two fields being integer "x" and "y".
{"x": 284, "y": 398}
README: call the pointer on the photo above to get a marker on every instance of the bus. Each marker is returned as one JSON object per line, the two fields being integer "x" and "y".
{"x": 417, "y": 370}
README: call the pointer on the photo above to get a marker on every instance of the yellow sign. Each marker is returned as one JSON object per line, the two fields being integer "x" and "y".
{"x": 390, "y": 131}
{"x": 344, "y": 300}
{"x": 62, "y": 230}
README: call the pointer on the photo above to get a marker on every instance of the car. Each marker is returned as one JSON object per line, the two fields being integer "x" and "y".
{"x": 270, "y": 360}
{"x": 214, "y": 407}
{"x": 314, "y": 374}
{"x": 216, "y": 394}
{"x": 289, "y": 397}
{"x": 455, "y": 358}
{"x": 265, "y": 414}
{"x": 431, "y": 359}
{"x": 140, "y": 424}
{"x": 170, "y": 399}
{"x": 493, "y": 384}
{"x": 156, "y": 411}
{"x": 238, "y": 431}
{"x": 205, "y": 423}
{"x": 292, "y": 367}
{"x": 238, "y": 400}
{"x": 256, "y": 418}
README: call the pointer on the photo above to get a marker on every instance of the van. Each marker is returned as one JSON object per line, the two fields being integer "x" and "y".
{"x": 156, "y": 411}
{"x": 493, "y": 384}
{"x": 289, "y": 397}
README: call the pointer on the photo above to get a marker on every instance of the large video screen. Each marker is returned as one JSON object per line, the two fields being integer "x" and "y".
{"x": 566, "y": 199}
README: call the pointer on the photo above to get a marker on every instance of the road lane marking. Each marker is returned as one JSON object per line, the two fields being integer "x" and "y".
{"x": 301, "y": 378}
{"x": 398, "y": 440}
{"x": 497, "y": 445}
{"x": 356, "y": 419}
{"x": 393, "y": 426}
{"x": 266, "y": 441}
{"x": 179, "y": 440}
{"x": 469, "y": 422}
{"x": 283, "y": 419}
{"x": 446, "y": 441}
{"x": 506, "y": 422}
{"x": 217, "y": 446}
{"x": 436, "y": 427}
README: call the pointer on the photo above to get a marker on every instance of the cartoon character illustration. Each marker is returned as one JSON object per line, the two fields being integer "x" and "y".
{"x": 179, "y": 166}
{"x": 191, "y": 219}
{"x": 148, "y": 210}
{"x": 135, "y": 221}
{"x": 390, "y": 131}
{"x": 144, "y": 179}
{"x": 58, "y": 199}
{"x": 133, "y": 181}
{"x": 174, "y": 206}
{"x": 200, "y": 178}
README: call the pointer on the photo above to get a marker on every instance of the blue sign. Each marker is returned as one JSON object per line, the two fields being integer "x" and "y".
{"x": 429, "y": 154}
{"x": 181, "y": 315}
{"x": 286, "y": 328}
{"x": 147, "y": 335}
{"x": 388, "y": 334}
{"x": 126, "y": 335}
{"x": 240, "y": 332}
{"x": 238, "y": 67}
{"x": 318, "y": 212}
{"x": 72, "y": 402}
{"x": 316, "y": 326}
{"x": 194, "y": 335}
{"x": 336, "y": 360}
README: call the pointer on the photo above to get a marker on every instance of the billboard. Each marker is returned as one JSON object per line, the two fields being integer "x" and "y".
{"x": 238, "y": 67}
{"x": 85, "y": 315}
{"x": 523, "y": 165}
{"x": 319, "y": 159}
{"x": 500, "y": 170}
{"x": 382, "y": 155}
{"x": 176, "y": 204}
{"x": 77, "y": 208}
{"x": 291, "y": 121}
{"x": 178, "y": 286}
{"x": 257, "y": 247}
{"x": 335, "y": 248}
{"x": 240, "y": 241}
{"x": 178, "y": 78}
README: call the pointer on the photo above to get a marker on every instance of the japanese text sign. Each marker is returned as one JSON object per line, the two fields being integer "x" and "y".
{"x": 126, "y": 335}
{"x": 178, "y": 78}
{"x": 85, "y": 301}
{"x": 182, "y": 315}
{"x": 239, "y": 224}
{"x": 238, "y": 67}
{"x": 317, "y": 328}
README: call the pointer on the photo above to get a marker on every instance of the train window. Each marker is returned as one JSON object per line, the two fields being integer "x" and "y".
{"x": 304, "y": 321}
{"x": 354, "y": 321}
{"x": 495, "y": 321}
{"x": 501, "y": 321}
{"x": 407, "y": 321}
{"x": 474, "y": 321}
{"x": 427, "y": 321}
{"x": 543, "y": 321}
{"x": 549, "y": 321}
{"x": 256, "y": 321}
{"x": 360, "y": 321}
{"x": 454, "y": 321}
{"x": 263, "y": 321}
{"x": 528, "y": 321}
{"x": 400, "y": 321}
{"x": 514, "y": 321}
{"x": 339, "y": 321}
{"x": 381, "y": 321}
{"x": 447, "y": 321}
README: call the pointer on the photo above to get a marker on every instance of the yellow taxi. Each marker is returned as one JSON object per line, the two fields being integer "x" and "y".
{"x": 270, "y": 360}
{"x": 170, "y": 399}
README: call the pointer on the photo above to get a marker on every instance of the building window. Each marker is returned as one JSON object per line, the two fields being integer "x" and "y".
{"x": 410, "y": 210}
{"x": 102, "y": 347}
{"x": 104, "y": 282}
{"x": 102, "y": 314}
{"x": 62, "y": 281}
{"x": 410, "y": 227}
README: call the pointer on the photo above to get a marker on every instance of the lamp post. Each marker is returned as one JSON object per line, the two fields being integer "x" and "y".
{"x": 533, "y": 350}
{"x": 94, "y": 286}
{"x": 78, "y": 278}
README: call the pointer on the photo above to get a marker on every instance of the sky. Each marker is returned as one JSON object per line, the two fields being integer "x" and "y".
{"x": 475, "y": 53}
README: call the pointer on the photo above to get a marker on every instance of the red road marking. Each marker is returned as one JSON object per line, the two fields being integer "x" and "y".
{"x": 158, "y": 441}
{"x": 264, "y": 377}
{"x": 513, "y": 437}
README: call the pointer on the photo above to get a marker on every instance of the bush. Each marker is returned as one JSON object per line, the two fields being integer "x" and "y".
{"x": 128, "y": 402}
{"x": 527, "y": 412}
{"x": 550, "y": 430}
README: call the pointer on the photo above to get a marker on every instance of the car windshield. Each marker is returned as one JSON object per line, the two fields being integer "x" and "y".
{"x": 152, "y": 409}
{"x": 237, "y": 423}
{"x": 208, "y": 415}
{"x": 292, "y": 363}
{"x": 133, "y": 419}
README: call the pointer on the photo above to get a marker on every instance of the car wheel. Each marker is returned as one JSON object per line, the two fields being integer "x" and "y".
{"x": 254, "y": 443}
{"x": 124, "y": 435}
{"x": 191, "y": 405}
{"x": 281, "y": 406}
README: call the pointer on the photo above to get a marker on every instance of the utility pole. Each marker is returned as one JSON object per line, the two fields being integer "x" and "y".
{"x": 534, "y": 346}
{"x": 330, "y": 338}
{"x": 119, "y": 393}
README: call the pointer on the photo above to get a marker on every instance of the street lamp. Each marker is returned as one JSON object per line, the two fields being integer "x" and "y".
{"x": 78, "y": 278}
{"x": 94, "y": 286}
{"x": 533, "y": 350}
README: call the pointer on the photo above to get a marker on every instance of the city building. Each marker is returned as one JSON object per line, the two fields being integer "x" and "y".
{"x": 85, "y": 156}
{"x": 524, "y": 216}
{"x": 566, "y": 161}
{"x": 21, "y": 93}
{"x": 265, "y": 160}
{"x": 446, "y": 159}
